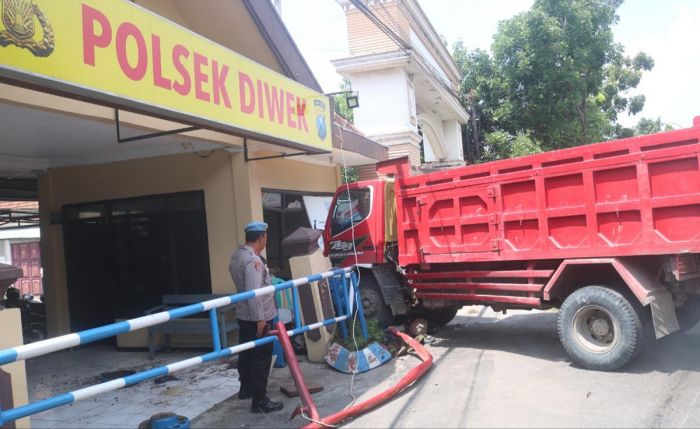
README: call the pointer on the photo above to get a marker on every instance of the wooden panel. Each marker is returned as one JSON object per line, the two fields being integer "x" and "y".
{"x": 27, "y": 256}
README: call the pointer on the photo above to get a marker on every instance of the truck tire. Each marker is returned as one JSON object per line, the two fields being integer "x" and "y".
{"x": 600, "y": 328}
{"x": 440, "y": 318}
{"x": 373, "y": 301}
{"x": 689, "y": 314}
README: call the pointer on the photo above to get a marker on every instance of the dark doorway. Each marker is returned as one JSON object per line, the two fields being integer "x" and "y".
{"x": 284, "y": 212}
{"x": 123, "y": 255}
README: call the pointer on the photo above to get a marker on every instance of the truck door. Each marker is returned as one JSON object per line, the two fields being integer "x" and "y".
{"x": 353, "y": 225}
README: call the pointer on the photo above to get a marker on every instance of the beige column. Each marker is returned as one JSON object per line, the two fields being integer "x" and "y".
{"x": 11, "y": 322}
{"x": 246, "y": 193}
{"x": 52, "y": 261}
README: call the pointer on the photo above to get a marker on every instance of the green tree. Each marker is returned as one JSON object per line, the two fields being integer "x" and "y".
{"x": 501, "y": 145}
{"x": 567, "y": 77}
{"x": 484, "y": 94}
{"x": 348, "y": 175}
{"x": 556, "y": 76}
{"x": 651, "y": 126}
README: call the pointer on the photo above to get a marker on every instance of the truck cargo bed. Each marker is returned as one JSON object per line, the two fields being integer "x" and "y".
{"x": 636, "y": 196}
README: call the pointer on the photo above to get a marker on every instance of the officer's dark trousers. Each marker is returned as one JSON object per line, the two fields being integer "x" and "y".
{"x": 253, "y": 364}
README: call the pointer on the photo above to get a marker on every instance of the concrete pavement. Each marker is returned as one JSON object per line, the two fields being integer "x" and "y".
{"x": 493, "y": 370}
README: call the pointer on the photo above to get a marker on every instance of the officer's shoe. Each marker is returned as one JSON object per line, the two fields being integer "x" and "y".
{"x": 266, "y": 406}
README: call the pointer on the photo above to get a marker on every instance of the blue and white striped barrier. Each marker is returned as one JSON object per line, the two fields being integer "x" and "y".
{"x": 71, "y": 340}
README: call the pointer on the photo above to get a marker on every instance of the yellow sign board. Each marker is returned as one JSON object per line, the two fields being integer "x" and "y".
{"x": 119, "y": 53}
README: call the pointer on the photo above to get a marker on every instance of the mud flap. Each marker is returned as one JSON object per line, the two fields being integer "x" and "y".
{"x": 390, "y": 286}
{"x": 663, "y": 313}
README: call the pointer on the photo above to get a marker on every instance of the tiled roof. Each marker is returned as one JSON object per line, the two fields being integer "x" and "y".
{"x": 341, "y": 121}
{"x": 20, "y": 205}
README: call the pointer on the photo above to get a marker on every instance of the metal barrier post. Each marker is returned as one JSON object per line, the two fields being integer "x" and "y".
{"x": 304, "y": 394}
{"x": 344, "y": 296}
{"x": 296, "y": 304}
{"x": 335, "y": 285}
{"x": 358, "y": 302}
{"x": 63, "y": 342}
{"x": 215, "y": 336}
{"x": 345, "y": 302}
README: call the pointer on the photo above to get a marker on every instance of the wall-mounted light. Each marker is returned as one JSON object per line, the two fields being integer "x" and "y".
{"x": 351, "y": 98}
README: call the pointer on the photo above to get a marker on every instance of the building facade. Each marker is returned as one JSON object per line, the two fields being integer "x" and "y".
{"x": 125, "y": 219}
{"x": 407, "y": 82}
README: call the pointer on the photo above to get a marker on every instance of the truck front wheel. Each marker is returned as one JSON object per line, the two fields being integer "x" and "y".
{"x": 440, "y": 318}
{"x": 600, "y": 328}
{"x": 372, "y": 302}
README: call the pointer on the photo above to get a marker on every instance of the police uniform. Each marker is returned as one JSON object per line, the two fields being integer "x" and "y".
{"x": 249, "y": 272}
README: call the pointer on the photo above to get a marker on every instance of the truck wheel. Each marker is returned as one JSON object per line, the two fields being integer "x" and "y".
{"x": 440, "y": 318}
{"x": 373, "y": 302}
{"x": 689, "y": 313}
{"x": 600, "y": 328}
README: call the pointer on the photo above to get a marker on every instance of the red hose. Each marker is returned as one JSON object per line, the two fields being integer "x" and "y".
{"x": 408, "y": 379}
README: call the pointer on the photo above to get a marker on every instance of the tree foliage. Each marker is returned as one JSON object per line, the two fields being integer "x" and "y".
{"x": 501, "y": 145}
{"x": 555, "y": 77}
{"x": 341, "y": 104}
{"x": 651, "y": 126}
{"x": 348, "y": 175}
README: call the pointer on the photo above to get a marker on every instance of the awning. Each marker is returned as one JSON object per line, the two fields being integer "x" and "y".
{"x": 359, "y": 150}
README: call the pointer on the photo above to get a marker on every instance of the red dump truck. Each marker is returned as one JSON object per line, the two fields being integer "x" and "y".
{"x": 608, "y": 233}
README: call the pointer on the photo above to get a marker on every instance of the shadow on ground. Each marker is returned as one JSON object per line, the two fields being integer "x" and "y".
{"x": 535, "y": 335}
{"x": 233, "y": 412}
{"x": 464, "y": 370}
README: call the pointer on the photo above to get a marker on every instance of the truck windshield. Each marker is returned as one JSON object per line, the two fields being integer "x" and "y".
{"x": 350, "y": 209}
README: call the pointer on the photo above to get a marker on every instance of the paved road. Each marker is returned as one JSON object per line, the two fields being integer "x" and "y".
{"x": 509, "y": 371}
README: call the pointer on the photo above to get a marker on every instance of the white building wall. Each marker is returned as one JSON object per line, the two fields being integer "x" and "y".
{"x": 425, "y": 53}
{"x": 453, "y": 140}
{"x": 428, "y": 154}
{"x": 383, "y": 97}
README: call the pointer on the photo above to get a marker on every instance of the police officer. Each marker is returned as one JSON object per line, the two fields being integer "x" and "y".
{"x": 255, "y": 315}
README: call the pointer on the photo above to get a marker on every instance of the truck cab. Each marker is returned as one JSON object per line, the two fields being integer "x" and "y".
{"x": 361, "y": 221}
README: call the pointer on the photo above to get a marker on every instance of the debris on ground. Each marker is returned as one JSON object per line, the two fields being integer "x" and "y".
{"x": 165, "y": 379}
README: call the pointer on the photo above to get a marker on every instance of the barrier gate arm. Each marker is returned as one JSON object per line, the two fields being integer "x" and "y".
{"x": 91, "y": 335}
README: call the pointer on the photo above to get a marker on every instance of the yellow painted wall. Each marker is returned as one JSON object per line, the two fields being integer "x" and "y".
{"x": 135, "y": 178}
{"x": 282, "y": 174}
{"x": 232, "y": 195}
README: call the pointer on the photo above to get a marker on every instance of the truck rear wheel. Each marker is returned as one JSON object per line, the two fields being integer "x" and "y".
{"x": 600, "y": 328}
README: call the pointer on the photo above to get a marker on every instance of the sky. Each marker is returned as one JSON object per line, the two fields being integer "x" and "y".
{"x": 668, "y": 30}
